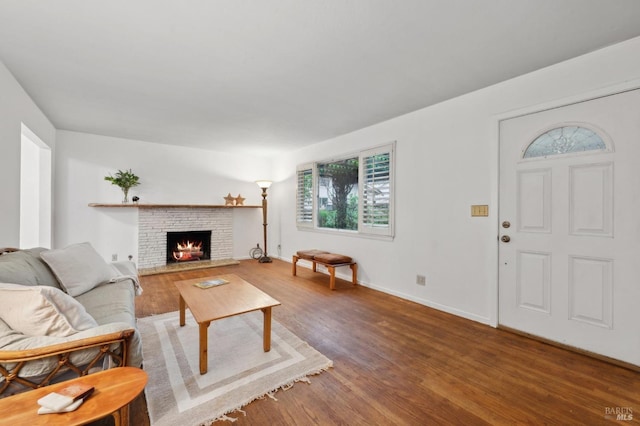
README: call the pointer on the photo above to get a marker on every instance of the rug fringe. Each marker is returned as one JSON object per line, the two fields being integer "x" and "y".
{"x": 226, "y": 418}
{"x": 286, "y": 386}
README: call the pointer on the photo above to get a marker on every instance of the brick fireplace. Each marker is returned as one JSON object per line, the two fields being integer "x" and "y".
{"x": 155, "y": 223}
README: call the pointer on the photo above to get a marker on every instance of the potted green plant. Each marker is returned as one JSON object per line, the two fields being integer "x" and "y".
{"x": 125, "y": 180}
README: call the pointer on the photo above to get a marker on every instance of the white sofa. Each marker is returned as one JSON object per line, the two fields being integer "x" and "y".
{"x": 64, "y": 313}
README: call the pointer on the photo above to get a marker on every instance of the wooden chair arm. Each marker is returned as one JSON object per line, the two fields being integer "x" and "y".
{"x": 12, "y": 362}
{"x": 60, "y": 348}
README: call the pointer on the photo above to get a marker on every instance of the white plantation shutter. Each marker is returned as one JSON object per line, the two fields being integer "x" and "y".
{"x": 304, "y": 196}
{"x": 376, "y": 191}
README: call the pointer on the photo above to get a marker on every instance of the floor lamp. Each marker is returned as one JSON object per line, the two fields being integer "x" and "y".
{"x": 264, "y": 184}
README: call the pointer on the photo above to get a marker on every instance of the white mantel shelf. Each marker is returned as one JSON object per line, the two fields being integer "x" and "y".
{"x": 171, "y": 206}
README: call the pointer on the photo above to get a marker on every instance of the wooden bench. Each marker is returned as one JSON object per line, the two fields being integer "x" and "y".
{"x": 328, "y": 260}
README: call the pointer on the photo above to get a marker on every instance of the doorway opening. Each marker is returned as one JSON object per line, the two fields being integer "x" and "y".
{"x": 35, "y": 190}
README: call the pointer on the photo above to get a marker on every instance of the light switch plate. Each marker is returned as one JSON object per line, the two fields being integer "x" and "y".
{"x": 479, "y": 210}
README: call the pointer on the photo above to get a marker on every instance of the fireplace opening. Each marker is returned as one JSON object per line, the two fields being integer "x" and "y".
{"x": 188, "y": 246}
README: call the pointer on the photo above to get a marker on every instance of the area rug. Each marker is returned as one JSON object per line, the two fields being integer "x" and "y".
{"x": 239, "y": 370}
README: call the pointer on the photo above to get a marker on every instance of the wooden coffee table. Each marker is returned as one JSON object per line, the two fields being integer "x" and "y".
{"x": 114, "y": 390}
{"x": 235, "y": 298}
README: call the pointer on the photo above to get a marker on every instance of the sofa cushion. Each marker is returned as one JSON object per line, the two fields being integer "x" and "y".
{"x": 42, "y": 311}
{"x": 79, "y": 267}
{"x": 332, "y": 258}
{"x": 27, "y": 268}
{"x": 309, "y": 254}
{"x": 114, "y": 303}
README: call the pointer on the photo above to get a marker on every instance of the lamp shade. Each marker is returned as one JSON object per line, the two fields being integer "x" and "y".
{"x": 264, "y": 183}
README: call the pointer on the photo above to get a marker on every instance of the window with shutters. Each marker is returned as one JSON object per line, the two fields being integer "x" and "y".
{"x": 304, "y": 203}
{"x": 353, "y": 194}
{"x": 376, "y": 191}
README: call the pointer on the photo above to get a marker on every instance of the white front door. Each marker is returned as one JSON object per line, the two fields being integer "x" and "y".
{"x": 569, "y": 255}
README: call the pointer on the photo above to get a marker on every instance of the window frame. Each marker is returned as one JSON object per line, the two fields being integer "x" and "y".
{"x": 363, "y": 229}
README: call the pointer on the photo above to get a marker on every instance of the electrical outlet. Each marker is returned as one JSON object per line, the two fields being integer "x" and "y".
{"x": 421, "y": 280}
{"x": 114, "y": 257}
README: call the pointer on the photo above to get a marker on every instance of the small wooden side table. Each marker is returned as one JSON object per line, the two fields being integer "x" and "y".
{"x": 114, "y": 390}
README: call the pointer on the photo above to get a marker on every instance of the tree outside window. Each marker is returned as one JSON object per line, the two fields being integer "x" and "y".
{"x": 338, "y": 194}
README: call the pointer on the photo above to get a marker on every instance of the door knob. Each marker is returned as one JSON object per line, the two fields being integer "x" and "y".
{"x": 506, "y": 224}
{"x": 505, "y": 239}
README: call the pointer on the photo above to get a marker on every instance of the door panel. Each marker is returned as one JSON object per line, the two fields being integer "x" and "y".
{"x": 570, "y": 271}
{"x": 534, "y": 281}
{"x": 591, "y": 196}
{"x": 534, "y": 200}
{"x": 591, "y": 290}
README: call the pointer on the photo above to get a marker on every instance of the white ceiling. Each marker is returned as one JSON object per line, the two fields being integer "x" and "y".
{"x": 265, "y": 76}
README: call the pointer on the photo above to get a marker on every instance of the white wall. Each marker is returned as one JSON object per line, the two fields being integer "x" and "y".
{"x": 447, "y": 160}
{"x": 168, "y": 174}
{"x": 16, "y": 108}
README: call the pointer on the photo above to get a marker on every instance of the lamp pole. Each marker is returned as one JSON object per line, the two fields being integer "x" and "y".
{"x": 264, "y": 184}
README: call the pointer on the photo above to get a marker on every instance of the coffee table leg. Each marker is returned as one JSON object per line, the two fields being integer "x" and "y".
{"x": 203, "y": 347}
{"x": 117, "y": 418}
{"x": 267, "y": 329}
{"x": 121, "y": 417}
{"x": 182, "y": 309}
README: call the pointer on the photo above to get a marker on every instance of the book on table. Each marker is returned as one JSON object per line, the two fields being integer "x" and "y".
{"x": 66, "y": 399}
{"x": 211, "y": 283}
{"x": 77, "y": 391}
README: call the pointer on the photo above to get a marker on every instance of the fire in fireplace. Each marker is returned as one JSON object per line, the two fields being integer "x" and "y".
{"x": 188, "y": 246}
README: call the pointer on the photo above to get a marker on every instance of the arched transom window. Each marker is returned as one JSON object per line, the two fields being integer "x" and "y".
{"x": 564, "y": 140}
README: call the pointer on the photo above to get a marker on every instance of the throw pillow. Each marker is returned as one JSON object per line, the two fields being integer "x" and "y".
{"x": 78, "y": 267}
{"x": 27, "y": 268}
{"x": 42, "y": 311}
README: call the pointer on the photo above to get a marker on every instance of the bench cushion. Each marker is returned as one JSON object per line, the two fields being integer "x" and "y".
{"x": 309, "y": 254}
{"x": 332, "y": 258}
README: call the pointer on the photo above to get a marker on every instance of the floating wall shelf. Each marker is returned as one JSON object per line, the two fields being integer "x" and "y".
{"x": 170, "y": 206}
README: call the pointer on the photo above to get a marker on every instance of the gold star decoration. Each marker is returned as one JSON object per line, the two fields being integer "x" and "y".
{"x": 229, "y": 200}
{"x": 239, "y": 200}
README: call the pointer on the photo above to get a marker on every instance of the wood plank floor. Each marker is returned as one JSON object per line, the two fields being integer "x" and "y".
{"x": 400, "y": 363}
